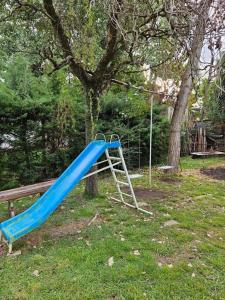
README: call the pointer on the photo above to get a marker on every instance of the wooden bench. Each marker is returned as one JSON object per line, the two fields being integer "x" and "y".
{"x": 17, "y": 193}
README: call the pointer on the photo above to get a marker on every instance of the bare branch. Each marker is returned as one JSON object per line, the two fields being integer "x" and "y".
{"x": 76, "y": 66}
{"x": 32, "y": 7}
{"x": 58, "y": 66}
{"x": 112, "y": 34}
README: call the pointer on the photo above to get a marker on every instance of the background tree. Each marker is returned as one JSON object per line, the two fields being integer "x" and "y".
{"x": 215, "y": 102}
{"x": 194, "y": 23}
{"x": 96, "y": 40}
{"x": 40, "y": 123}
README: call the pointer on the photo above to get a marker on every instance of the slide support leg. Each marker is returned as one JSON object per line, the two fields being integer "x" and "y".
{"x": 11, "y": 209}
{"x": 10, "y": 248}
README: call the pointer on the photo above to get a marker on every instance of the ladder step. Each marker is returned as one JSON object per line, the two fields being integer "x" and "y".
{"x": 115, "y": 158}
{"x": 121, "y": 182}
{"x": 119, "y": 171}
{"x": 100, "y": 162}
{"x": 125, "y": 194}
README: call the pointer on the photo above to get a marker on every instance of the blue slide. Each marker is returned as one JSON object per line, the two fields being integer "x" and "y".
{"x": 39, "y": 212}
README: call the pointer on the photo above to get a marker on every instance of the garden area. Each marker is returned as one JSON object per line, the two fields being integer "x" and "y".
{"x": 96, "y": 249}
{"x": 112, "y": 149}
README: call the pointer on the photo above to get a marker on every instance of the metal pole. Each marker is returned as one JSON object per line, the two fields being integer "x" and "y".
{"x": 150, "y": 142}
{"x": 128, "y": 144}
{"x": 139, "y": 152}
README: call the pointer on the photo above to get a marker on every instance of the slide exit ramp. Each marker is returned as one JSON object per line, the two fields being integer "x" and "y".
{"x": 40, "y": 211}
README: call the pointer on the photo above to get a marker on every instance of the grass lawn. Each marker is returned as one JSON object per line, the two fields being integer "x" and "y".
{"x": 68, "y": 258}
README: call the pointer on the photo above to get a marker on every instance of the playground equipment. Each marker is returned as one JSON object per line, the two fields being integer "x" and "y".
{"x": 20, "y": 225}
{"x": 14, "y": 194}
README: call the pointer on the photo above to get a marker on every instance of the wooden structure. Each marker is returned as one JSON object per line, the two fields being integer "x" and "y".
{"x": 207, "y": 137}
{"x": 166, "y": 169}
{"x": 200, "y": 143}
{"x": 17, "y": 193}
{"x": 207, "y": 154}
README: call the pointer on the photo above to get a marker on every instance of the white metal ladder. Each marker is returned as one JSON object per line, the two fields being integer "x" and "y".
{"x": 127, "y": 181}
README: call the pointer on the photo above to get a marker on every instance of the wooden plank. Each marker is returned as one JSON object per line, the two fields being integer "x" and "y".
{"x": 24, "y": 191}
{"x": 207, "y": 154}
{"x": 165, "y": 169}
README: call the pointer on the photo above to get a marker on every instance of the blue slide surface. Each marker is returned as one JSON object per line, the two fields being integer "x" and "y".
{"x": 39, "y": 212}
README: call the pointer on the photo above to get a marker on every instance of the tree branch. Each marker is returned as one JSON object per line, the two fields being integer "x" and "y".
{"x": 32, "y": 7}
{"x": 139, "y": 88}
{"x": 111, "y": 41}
{"x": 57, "y": 66}
{"x": 76, "y": 66}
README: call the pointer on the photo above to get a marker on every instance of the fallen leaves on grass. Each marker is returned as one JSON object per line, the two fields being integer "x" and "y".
{"x": 110, "y": 261}
{"x": 170, "y": 223}
{"x": 36, "y": 273}
{"x": 160, "y": 264}
{"x": 88, "y": 243}
{"x": 136, "y": 252}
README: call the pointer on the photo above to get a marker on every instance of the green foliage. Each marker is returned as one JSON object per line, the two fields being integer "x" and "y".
{"x": 38, "y": 123}
{"x": 184, "y": 261}
{"x": 215, "y": 102}
{"x": 127, "y": 113}
{"x": 42, "y": 122}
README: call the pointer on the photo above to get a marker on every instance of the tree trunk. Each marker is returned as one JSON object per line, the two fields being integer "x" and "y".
{"x": 177, "y": 119}
{"x": 187, "y": 85}
{"x": 91, "y": 117}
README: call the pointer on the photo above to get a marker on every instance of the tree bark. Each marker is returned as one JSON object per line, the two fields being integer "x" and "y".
{"x": 91, "y": 117}
{"x": 187, "y": 85}
{"x": 177, "y": 119}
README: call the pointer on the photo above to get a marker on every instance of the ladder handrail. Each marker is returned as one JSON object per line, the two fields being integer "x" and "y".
{"x": 112, "y": 137}
{"x": 101, "y": 134}
{"x": 127, "y": 179}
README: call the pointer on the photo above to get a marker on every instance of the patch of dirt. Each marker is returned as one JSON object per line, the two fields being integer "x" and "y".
{"x": 170, "y": 223}
{"x": 193, "y": 172}
{"x": 68, "y": 229}
{"x": 1, "y": 250}
{"x": 170, "y": 180}
{"x": 150, "y": 194}
{"x": 215, "y": 173}
{"x": 165, "y": 260}
{"x": 71, "y": 228}
{"x": 36, "y": 237}
{"x": 189, "y": 254}
{"x": 74, "y": 227}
